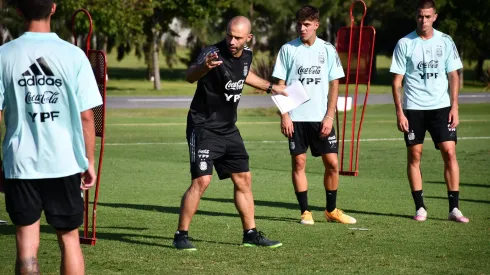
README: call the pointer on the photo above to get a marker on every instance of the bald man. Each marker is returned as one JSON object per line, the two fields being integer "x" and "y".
{"x": 221, "y": 70}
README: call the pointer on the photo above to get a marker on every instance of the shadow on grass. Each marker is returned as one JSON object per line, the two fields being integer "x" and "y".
{"x": 140, "y": 74}
{"x": 467, "y": 200}
{"x": 294, "y": 206}
{"x": 121, "y": 237}
{"x": 176, "y": 210}
{"x": 461, "y": 184}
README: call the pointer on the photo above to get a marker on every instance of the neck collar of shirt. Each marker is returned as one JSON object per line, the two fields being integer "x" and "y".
{"x": 308, "y": 46}
{"x": 434, "y": 32}
{"x": 41, "y": 35}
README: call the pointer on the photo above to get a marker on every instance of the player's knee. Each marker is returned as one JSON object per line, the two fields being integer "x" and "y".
{"x": 201, "y": 183}
{"x": 449, "y": 155}
{"x": 414, "y": 157}
{"x": 299, "y": 163}
{"x": 67, "y": 237}
{"x": 332, "y": 166}
{"x": 243, "y": 181}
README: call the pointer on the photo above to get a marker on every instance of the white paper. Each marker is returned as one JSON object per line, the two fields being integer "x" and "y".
{"x": 296, "y": 96}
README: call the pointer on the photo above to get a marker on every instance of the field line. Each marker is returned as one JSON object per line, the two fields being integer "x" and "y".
{"x": 273, "y": 141}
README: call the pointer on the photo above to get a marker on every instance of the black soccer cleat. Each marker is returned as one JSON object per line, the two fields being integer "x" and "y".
{"x": 183, "y": 242}
{"x": 259, "y": 239}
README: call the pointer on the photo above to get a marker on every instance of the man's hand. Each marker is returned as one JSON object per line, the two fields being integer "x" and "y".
{"x": 326, "y": 127}
{"x": 212, "y": 61}
{"x": 402, "y": 122}
{"x": 454, "y": 117}
{"x": 279, "y": 89}
{"x": 287, "y": 127}
{"x": 88, "y": 178}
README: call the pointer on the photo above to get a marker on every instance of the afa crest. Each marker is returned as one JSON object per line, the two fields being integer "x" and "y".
{"x": 321, "y": 58}
{"x": 439, "y": 51}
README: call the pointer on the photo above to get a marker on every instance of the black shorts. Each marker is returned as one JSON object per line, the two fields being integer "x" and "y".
{"x": 307, "y": 134}
{"x": 60, "y": 198}
{"x": 435, "y": 121}
{"x": 207, "y": 149}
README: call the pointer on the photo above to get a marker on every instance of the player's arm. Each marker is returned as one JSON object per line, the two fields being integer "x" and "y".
{"x": 399, "y": 68}
{"x": 453, "y": 78}
{"x": 333, "y": 95}
{"x": 335, "y": 72}
{"x": 287, "y": 127}
{"x": 88, "y": 127}
{"x": 202, "y": 67}
{"x": 396, "y": 89}
{"x": 264, "y": 85}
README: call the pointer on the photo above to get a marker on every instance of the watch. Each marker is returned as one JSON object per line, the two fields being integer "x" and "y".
{"x": 269, "y": 90}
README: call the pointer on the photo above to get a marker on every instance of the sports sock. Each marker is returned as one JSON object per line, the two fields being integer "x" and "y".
{"x": 453, "y": 197}
{"x": 250, "y": 232}
{"x": 418, "y": 199}
{"x": 331, "y": 200}
{"x": 182, "y": 233}
{"x": 303, "y": 200}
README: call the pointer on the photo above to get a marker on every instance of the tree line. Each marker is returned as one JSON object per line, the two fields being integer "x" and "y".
{"x": 142, "y": 26}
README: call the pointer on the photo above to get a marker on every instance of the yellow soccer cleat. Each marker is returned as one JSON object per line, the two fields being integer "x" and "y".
{"x": 307, "y": 218}
{"x": 338, "y": 215}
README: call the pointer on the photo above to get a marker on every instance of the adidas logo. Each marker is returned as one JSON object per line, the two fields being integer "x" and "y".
{"x": 40, "y": 76}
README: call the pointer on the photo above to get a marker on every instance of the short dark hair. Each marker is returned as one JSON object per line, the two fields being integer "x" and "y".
{"x": 307, "y": 13}
{"x": 34, "y": 9}
{"x": 426, "y": 4}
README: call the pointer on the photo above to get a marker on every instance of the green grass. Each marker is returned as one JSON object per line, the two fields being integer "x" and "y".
{"x": 128, "y": 78}
{"x": 142, "y": 186}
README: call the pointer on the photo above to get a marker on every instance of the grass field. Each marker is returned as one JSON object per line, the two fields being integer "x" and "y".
{"x": 146, "y": 172}
{"x": 127, "y": 77}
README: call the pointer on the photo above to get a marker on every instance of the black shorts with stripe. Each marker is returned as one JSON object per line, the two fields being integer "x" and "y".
{"x": 307, "y": 135}
{"x": 226, "y": 153}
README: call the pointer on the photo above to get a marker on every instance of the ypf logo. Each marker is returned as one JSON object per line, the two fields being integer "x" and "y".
{"x": 232, "y": 97}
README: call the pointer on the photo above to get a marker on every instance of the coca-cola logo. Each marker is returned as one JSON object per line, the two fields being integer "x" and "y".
{"x": 433, "y": 64}
{"x": 234, "y": 85}
{"x": 310, "y": 70}
{"x": 47, "y": 97}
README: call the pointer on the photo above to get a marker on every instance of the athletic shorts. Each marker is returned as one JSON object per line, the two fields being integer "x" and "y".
{"x": 60, "y": 198}
{"x": 226, "y": 153}
{"x": 435, "y": 121}
{"x": 307, "y": 134}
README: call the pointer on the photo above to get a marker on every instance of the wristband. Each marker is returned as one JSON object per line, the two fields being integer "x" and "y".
{"x": 269, "y": 90}
{"x": 330, "y": 118}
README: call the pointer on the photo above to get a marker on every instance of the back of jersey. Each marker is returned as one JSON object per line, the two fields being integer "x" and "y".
{"x": 45, "y": 83}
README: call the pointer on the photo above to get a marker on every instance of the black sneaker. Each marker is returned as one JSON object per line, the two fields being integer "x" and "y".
{"x": 183, "y": 242}
{"x": 259, "y": 239}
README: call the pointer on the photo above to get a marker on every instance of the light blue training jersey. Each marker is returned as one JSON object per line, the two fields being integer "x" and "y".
{"x": 45, "y": 83}
{"x": 315, "y": 66}
{"x": 425, "y": 64}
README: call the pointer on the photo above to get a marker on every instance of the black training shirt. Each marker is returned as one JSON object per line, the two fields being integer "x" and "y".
{"x": 215, "y": 102}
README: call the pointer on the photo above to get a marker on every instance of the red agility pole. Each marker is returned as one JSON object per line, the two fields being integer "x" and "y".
{"x": 360, "y": 38}
{"x": 98, "y": 60}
